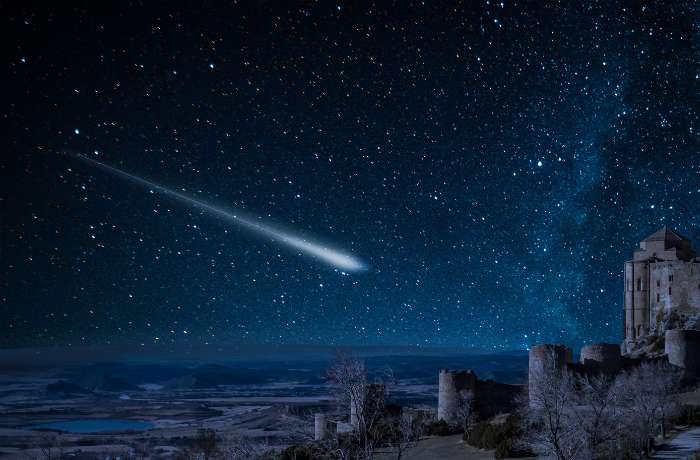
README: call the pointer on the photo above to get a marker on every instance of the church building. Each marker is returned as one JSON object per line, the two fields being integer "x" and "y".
{"x": 662, "y": 286}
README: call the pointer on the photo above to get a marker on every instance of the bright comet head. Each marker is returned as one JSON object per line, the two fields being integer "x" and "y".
{"x": 335, "y": 258}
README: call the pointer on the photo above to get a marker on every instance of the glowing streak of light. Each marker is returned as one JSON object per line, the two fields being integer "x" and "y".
{"x": 340, "y": 260}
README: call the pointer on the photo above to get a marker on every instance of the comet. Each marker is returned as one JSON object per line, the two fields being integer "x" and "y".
{"x": 335, "y": 258}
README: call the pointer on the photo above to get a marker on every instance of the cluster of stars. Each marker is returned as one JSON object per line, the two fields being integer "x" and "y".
{"x": 494, "y": 163}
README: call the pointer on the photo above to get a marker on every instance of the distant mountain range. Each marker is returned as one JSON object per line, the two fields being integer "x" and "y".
{"x": 132, "y": 377}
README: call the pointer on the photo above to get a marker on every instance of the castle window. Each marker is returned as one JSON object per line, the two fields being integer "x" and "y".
{"x": 670, "y": 277}
{"x": 639, "y": 284}
{"x": 658, "y": 283}
{"x": 658, "y": 297}
{"x": 669, "y": 290}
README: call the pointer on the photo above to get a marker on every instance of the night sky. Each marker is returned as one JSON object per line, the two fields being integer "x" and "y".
{"x": 492, "y": 163}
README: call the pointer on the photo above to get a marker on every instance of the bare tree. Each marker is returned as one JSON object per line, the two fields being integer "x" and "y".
{"x": 666, "y": 386}
{"x": 408, "y": 431}
{"x": 49, "y": 446}
{"x": 598, "y": 416}
{"x": 464, "y": 412}
{"x": 648, "y": 398}
{"x": 349, "y": 380}
{"x": 548, "y": 413}
{"x": 595, "y": 416}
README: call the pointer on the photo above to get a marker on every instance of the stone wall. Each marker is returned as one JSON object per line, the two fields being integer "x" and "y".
{"x": 488, "y": 397}
{"x": 674, "y": 296}
{"x": 601, "y": 357}
{"x": 683, "y": 349}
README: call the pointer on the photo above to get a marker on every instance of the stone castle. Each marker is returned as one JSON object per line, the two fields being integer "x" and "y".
{"x": 661, "y": 321}
{"x": 662, "y": 288}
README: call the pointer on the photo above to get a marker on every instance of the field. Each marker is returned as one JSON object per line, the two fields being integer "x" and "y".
{"x": 158, "y": 407}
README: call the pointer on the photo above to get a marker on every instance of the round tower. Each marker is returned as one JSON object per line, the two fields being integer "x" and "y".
{"x": 447, "y": 396}
{"x": 636, "y": 298}
{"x": 602, "y": 357}
{"x": 450, "y": 384}
{"x": 323, "y": 428}
{"x": 683, "y": 349}
{"x": 320, "y": 432}
{"x": 543, "y": 358}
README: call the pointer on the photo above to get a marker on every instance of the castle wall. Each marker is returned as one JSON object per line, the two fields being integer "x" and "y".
{"x": 683, "y": 349}
{"x": 492, "y": 398}
{"x": 674, "y": 295}
{"x": 657, "y": 292}
{"x": 489, "y": 397}
{"x": 601, "y": 357}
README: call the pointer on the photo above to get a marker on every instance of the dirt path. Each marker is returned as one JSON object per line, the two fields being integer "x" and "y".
{"x": 682, "y": 446}
{"x": 443, "y": 448}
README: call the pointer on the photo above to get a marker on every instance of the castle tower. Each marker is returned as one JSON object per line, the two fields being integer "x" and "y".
{"x": 323, "y": 428}
{"x": 662, "y": 286}
{"x": 542, "y": 359}
{"x": 636, "y": 299}
{"x": 450, "y": 384}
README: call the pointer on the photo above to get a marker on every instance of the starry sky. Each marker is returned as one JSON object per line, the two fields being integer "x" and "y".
{"x": 492, "y": 163}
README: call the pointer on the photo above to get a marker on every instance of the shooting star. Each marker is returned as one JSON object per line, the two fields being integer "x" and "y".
{"x": 335, "y": 258}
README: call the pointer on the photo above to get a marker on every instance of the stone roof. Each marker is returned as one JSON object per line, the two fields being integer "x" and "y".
{"x": 667, "y": 235}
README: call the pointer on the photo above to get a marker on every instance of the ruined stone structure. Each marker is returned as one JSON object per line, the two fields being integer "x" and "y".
{"x": 324, "y": 428}
{"x": 683, "y": 349}
{"x": 601, "y": 357}
{"x": 450, "y": 386}
{"x": 488, "y": 397}
{"x": 662, "y": 287}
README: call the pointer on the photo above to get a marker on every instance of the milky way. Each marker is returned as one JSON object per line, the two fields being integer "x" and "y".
{"x": 494, "y": 163}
